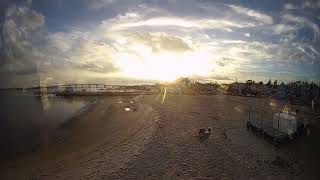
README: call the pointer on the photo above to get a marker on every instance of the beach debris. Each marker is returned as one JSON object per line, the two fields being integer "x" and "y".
{"x": 131, "y": 102}
{"x": 208, "y": 131}
{"x": 224, "y": 133}
{"x": 239, "y": 108}
{"x": 204, "y": 133}
{"x": 127, "y": 109}
{"x": 119, "y": 102}
{"x": 134, "y": 108}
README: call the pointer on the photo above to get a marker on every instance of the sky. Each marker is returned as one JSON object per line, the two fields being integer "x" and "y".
{"x": 149, "y": 41}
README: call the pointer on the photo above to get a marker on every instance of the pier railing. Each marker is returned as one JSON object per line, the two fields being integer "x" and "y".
{"x": 97, "y": 89}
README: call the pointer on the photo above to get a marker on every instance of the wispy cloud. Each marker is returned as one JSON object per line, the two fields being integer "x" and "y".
{"x": 261, "y": 17}
{"x": 303, "y": 21}
{"x": 134, "y": 20}
{"x": 289, "y": 6}
{"x": 283, "y": 28}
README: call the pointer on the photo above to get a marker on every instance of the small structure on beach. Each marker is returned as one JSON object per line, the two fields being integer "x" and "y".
{"x": 285, "y": 123}
{"x": 282, "y": 126}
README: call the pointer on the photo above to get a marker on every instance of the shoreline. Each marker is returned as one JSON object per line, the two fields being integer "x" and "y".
{"x": 87, "y": 108}
{"x": 106, "y": 125}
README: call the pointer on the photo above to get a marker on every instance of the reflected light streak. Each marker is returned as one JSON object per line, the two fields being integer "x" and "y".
{"x": 164, "y": 95}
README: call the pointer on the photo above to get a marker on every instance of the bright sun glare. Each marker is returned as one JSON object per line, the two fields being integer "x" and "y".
{"x": 164, "y": 66}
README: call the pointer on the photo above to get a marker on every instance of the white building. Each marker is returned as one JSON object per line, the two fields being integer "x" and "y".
{"x": 285, "y": 123}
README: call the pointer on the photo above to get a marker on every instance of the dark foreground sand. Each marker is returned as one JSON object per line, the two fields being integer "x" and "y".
{"x": 159, "y": 141}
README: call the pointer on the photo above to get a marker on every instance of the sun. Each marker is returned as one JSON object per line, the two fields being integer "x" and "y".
{"x": 163, "y": 66}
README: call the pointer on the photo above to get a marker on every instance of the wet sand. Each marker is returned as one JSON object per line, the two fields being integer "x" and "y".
{"x": 160, "y": 140}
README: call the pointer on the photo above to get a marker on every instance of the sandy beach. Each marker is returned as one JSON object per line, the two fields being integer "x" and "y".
{"x": 159, "y": 141}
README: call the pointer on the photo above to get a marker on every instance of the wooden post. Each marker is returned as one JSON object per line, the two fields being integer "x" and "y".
{"x": 312, "y": 105}
{"x": 279, "y": 122}
{"x": 249, "y": 119}
{"x": 261, "y": 120}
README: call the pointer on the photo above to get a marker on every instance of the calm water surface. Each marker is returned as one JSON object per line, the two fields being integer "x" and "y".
{"x": 27, "y": 120}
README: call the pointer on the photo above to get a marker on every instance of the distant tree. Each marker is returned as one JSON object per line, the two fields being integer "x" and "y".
{"x": 282, "y": 84}
{"x": 269, "y": 83}
{"x": 260, "y": 83}
{"x": 185, "y": 81}
{"x": 275, "y": 83}
{"x": 298, "y": 83}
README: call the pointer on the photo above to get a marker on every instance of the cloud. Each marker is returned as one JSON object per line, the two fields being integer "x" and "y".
{"x": 303, "y": 21}
{"x": 299, "y": 52}
{"x": 18, "y": 29}
{"x": 224, "y": 61}
{"x": 98, "y": 67}
{"x": 24, "y": 17}
{"x": 314, "y": 4}
{"x": 160, "y": 41}
{"x": 81, "y": 52}
{"x": 30, "y": 71}
{"x": 243, "y": 50}
{"x": 221, "y": 63}
{"x": 19, "y": 25}
{"x": 299, "y": 34}
{"x": 183, "y": 23}
{"x": 305, "y": 4}
{"x": 31, "y": 53}
{"x": 142, "y": 19}
{"x": 283, "y": 28}
{"x": 97, "y": 4}
{"x": 289, "y": 6}
{"x": 100, "y": 4}
{"x": 220, "y": 77}
{"x": 265, "y": 19}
